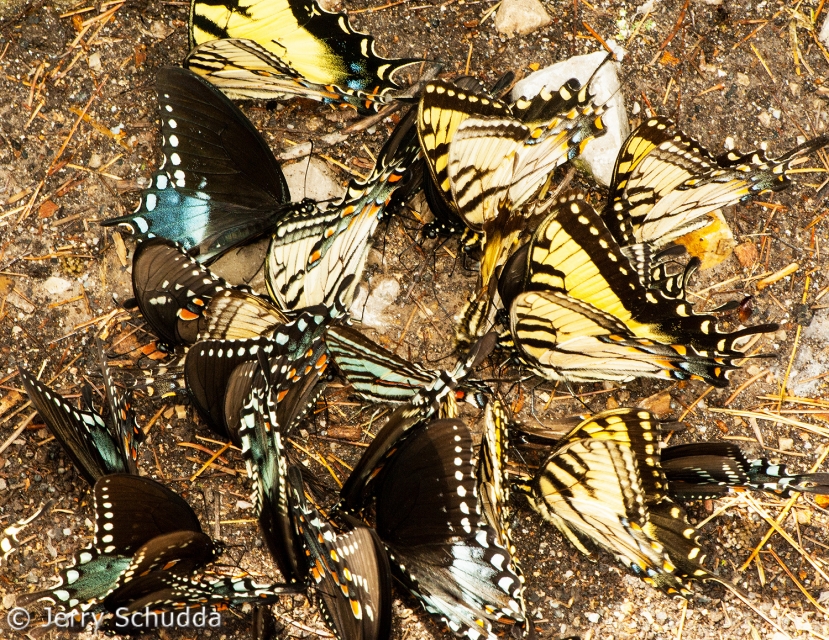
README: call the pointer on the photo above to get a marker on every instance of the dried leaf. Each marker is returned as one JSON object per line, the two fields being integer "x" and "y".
{"x": 140, "y": 55}
{"x": 668, "y": 59}
{"x": 6, "y": 285}
{"x": 659, "y": 404}
{"x": 120, "y": 248}
{"x": 712, "y": 244}
{"x": 747, "y": 254}
{"x": 8, "y": 401}
{"x": 47, "y": 209}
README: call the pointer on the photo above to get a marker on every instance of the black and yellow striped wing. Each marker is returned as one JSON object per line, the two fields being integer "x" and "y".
{"x": 443, "y": 107}
{"x": 320, "y": 46}
{"x": 572, "y": 251}
{"x": 561, "y": 338}
{"x": 603, "y": 486}
{"x": 665, "y": 182}
{"x": 311, "y": 254}
{"x": 245, "y": 70}
{"x": 501, "y": 163}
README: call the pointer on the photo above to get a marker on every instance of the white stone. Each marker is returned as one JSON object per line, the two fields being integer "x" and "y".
{"x": 371, "y": 309}
{"x": 94, "y": 61}
{"x": 315, "y": 180}
{"x": 521, "y": 17}
{"x": 823, "y": 36}
{"x": 55, "y": 286}
{"x": 599, "y": 155}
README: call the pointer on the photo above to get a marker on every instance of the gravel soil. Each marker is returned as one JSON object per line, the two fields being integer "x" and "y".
{"x": 79, "y": 139}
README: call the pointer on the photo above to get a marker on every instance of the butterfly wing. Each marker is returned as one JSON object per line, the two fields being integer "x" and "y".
{"x": 321, "y": 46}
{"x": 311, "y": 255}
{"x": 710, "y": 469}
{"x": 350, "y": 571}
{"x": 429, "y": 517}
{"x": 172, "y": 290}
{"x": 280, "y": 394}
{"x": 443, "y": 107}
{"x": 375, "y": 373}
{"x": 130, "y": 511}
{"x": 573, "y": 252}
{"x": 219, "y": 185}
{"x": 245, "y": 70}
{"x": 84, "y": 435}
{"x": 125, "y": 429}
{"x": 603, "y": 485}
{"x": 427, "y": 403}
{"x": 665, "y": 182}
{"x": 560, "y": 337}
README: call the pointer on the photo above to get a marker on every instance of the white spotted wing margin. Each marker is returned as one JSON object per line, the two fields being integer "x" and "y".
{"x": 219, "y": 185}
{"x": 428, "y": 515}
{"x": 130, "y": 511}
{"x": 9, "y": 542}
{"x": 350, "y": 571}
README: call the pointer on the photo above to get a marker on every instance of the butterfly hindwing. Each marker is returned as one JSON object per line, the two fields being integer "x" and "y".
{"x": 219, "y": 185}
{"x": 321, "y": 47}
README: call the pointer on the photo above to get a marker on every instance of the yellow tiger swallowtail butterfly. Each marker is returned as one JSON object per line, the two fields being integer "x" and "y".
{"x": 665, "y": 183}
{"x": 573, "y": 252}
{"x": 272, "y": 39}
{"x": 602, "y": 485}
{"x": 310, "y": 255}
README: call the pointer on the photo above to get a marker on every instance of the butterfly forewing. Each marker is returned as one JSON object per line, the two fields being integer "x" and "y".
{"x": 320, "y": 46}
{"x": 219, "y": 185}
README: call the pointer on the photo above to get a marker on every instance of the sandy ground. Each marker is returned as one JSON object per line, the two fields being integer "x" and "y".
{"x": 78, "y": 140}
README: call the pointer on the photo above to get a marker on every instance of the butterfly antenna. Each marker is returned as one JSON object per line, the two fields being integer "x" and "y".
{"x": 307, "y": 171}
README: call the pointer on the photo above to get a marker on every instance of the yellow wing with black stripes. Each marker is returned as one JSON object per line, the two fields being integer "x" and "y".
{"x": 573, "y": 252}
{"x": 443, "y": 107}
{"x": 602, "y": 485}
{"x": 320, "y": 46}
{"x": 665, "y": 183}
{"x": 561, "y": 338}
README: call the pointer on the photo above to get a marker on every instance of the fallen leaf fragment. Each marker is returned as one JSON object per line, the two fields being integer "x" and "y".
{"x": 746, "y": 253}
